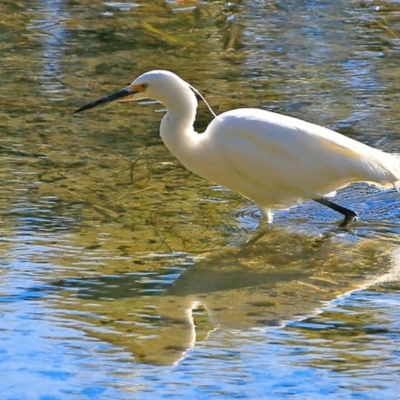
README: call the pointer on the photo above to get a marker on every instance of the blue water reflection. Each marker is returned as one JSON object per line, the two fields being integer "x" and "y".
{"x": 56, "y": 361}
{"x": 41, "y": 356}
{"x": 50, "y": 30}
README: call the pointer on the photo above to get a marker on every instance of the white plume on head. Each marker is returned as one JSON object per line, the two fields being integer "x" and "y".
{"x": 162, "y": 84}
{"x": 204, "y": 99}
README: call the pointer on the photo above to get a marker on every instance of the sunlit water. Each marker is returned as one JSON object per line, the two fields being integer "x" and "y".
{"x": 123, "y": 276}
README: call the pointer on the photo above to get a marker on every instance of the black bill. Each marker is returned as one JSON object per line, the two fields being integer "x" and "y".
{"x": 113, "y": 96}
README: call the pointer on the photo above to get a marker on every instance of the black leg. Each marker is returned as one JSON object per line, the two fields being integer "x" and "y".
{"x": 349, "y": 215}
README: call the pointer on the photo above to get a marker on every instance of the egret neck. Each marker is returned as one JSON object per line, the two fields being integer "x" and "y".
{"x": 177, "y": 131}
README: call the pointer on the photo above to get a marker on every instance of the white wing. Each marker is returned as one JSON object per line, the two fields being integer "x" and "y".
{"x": 277, "y": 160}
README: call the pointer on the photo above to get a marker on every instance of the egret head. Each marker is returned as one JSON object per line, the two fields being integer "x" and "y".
{"x": 159, "y": 85}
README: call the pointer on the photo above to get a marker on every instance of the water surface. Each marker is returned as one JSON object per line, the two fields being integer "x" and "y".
{"x": 124, "y": 276}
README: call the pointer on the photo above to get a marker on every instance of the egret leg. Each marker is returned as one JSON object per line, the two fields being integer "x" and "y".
{"x": 349, "y": 215}
{"x": 266, "y": 214}
{"x": 255, "y": 238}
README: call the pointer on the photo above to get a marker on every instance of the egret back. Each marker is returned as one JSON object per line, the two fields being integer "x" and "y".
{"x": 278, "y": 161}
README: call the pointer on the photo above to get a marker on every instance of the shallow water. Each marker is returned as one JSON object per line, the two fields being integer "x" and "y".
{"x": 124, "y": 276}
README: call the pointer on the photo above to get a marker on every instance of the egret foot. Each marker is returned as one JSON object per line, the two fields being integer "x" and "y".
{"x": 349, "y": 215}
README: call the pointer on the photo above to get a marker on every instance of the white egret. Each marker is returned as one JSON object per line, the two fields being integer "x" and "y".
{"x": 275, "y": 160}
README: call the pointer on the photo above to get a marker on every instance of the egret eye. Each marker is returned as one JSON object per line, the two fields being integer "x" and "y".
{"x": 144, "y": 86}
